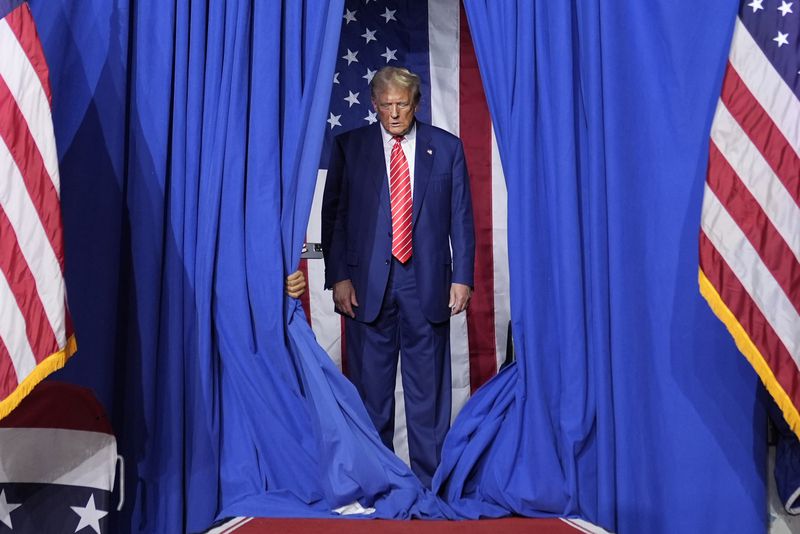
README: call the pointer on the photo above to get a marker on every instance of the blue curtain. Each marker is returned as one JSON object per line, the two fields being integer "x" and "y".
{"x": 189, "y": 137}
{"x": 628, "y": 404}
{"x": 551, "y": 412}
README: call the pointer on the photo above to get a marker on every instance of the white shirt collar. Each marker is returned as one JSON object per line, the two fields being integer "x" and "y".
{"x": 389, "y": 138}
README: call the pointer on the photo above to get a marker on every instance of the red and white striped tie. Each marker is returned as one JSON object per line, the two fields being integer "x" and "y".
{"x": 400, "y": 194}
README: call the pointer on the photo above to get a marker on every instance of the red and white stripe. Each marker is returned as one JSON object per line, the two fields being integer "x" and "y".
{"x": 477, "y": 337}
{"x": 34, "y": 321}
{"x": 400, "y": 195}
{"x": 750, "y": 239}
{"x": 59, "y": 435}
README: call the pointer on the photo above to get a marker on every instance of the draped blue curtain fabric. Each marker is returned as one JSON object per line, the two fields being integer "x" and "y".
{"x": 192, "y": 131}
{"x": 628, "y": 404}
{"x": 553, "y": 410}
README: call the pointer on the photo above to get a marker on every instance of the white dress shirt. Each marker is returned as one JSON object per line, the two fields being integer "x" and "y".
{"x": 409, "y": 146}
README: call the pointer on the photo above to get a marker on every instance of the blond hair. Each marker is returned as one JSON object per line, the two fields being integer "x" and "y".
{"x": 397, "y": 77}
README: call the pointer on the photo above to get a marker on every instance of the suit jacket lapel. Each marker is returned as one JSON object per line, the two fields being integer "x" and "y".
{"x": 376, "y": 167}
{"x": 423, "y": 163}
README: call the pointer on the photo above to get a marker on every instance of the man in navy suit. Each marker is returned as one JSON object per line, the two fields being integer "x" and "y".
{"x": 396, "y": 202}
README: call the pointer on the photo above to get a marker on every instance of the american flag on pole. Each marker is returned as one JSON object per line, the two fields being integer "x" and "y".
{"x": 432, "y": 39}
{"x": 750, "y": 237}
{"x": 36, "y": 335}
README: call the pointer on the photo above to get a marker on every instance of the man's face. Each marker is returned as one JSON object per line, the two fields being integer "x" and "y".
{"x": 395, "y": 107}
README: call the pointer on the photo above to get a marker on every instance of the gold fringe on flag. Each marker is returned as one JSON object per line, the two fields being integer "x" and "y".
{"x": 750, "y": 351}
{"x": 52, "y": 363}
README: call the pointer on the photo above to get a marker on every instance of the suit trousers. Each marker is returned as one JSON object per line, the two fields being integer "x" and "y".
{"x": 424, "y": 350}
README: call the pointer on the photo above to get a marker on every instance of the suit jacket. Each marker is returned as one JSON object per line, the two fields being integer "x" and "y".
{"x": 357, "y": 223}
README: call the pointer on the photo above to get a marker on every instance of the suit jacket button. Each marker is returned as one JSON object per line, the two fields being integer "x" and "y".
{"x": 387, "y": 262}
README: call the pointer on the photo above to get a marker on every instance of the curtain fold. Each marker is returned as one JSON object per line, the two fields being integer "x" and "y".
{"x": 225, "y": 137}
{"x": 546, "y": 412}
{"x": 592, "y": 419}
{"x": 206, "y": 148}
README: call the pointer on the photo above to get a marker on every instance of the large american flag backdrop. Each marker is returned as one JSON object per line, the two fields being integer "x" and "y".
{"x": 36, "y": 335}
{"x": 432, "y": 39}
{"x": 750, "y": 237}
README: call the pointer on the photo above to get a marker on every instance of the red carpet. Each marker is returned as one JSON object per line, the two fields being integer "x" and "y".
{"x": 366, "y": 526}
